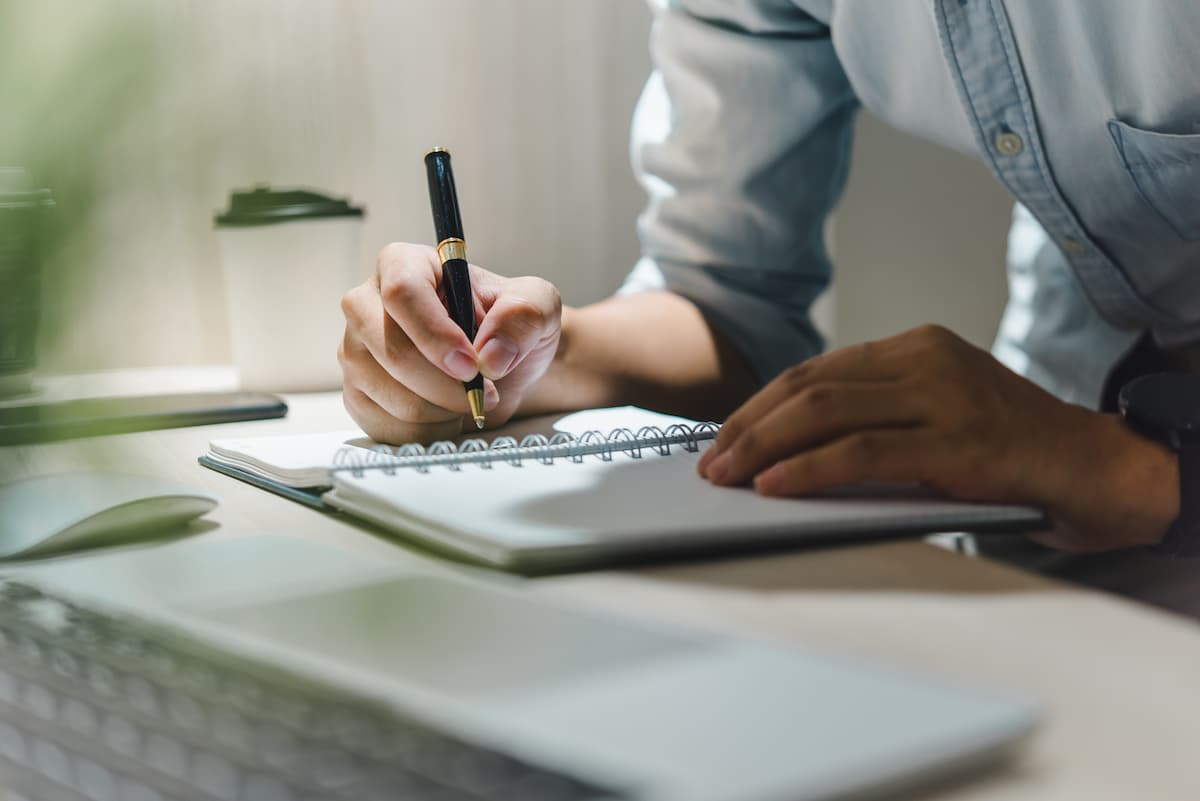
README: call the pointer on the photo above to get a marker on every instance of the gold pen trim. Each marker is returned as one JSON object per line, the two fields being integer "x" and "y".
{"x": 452, "y": 248}
{"x": 475, "y": 399}
{"x": 435, "y": 150}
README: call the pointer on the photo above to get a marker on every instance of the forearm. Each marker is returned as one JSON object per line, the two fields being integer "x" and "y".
{"x": 651, "y": 349}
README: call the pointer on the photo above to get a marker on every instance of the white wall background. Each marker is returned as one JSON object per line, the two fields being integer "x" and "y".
{"x": 919, "y": 237}
{"x": 533, "y": 97}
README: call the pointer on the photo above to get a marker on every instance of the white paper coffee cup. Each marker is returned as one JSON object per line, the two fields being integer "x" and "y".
{"x": 287, "y": 257}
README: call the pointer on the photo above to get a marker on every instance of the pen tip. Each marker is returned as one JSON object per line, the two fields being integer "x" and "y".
{"x": 475, "y": 399}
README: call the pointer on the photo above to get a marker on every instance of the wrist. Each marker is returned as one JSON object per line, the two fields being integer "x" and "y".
{"x": 652, "y": 349}
{"x": 566, "y": 385}
{"x": 1148, "y": 482}
{"x": 1133, "y": 496}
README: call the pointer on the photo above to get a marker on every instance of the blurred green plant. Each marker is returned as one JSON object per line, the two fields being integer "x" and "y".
{"x": 73, "y": 77}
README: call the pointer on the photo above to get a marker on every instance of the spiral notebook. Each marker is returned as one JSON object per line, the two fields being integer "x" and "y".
{"x": 602, "y": 487}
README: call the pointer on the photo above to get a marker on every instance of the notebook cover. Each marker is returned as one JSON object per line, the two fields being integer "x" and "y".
{"x": 309, "y": 496}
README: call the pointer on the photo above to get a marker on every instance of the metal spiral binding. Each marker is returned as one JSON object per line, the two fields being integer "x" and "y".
{"x": 533, "y": 446}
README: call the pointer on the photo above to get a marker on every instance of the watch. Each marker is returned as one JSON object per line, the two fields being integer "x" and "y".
{"x": 1166, "y": 407}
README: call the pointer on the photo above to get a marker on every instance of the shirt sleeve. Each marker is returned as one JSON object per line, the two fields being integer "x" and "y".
{"x": 741, "y": 139}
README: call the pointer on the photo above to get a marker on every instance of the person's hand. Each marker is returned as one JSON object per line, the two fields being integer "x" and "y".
{"x": 927, "y": 407}
{"x": 404, "y": 359}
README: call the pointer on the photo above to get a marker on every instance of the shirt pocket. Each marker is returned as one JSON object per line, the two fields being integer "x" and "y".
{"x": 1166, "y": 169}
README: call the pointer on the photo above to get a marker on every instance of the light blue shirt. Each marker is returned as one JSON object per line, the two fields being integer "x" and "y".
{"x": 1088, "y": 111}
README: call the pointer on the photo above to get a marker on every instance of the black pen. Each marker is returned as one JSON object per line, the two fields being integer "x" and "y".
{"x": 452, "y": 250}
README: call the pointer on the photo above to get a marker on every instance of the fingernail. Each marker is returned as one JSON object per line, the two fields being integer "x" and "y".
{"x": 497, "y": 357}
{"x": 491, "y": 396}
{"x": 461, "y": 365}
{"x": 705, "y": 458}
{"x": 719, "y": 467}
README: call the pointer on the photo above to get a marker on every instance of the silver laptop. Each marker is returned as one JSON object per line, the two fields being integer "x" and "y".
{"x": 276, "y": 669}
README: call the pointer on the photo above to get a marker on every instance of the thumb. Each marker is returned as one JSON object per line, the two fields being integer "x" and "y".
{"x": 525, "y": 314}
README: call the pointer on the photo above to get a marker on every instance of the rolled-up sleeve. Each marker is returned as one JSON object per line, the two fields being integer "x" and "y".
{"x": 741, "y": 139}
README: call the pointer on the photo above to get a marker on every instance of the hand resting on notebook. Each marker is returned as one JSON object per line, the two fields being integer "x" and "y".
{"x": 927, "y": 406}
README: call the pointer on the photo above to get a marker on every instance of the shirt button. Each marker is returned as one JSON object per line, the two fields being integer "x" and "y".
{"x": 1009, "y": 144}
{"x": 1074, "y": 246}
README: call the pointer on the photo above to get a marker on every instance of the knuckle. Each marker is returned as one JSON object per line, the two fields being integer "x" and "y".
{"x": 391, "y": 431}
{"x": 938, "y": 342}
{"x": 373, "y": 431}
{"x": 527, "y": 315}
{"x": 932, "y": 332}
{"x": 552, "y": 295}
{"x": 356, "y": 380}
{"x": 398, "y": 290}
{"x": 350, "y": 356}
{"x": 731, "y": 429}
{"x": 524, "y": 316}
{"x": 399, "y": 350}
{"x": 748, "y": 443}
{"x": 351, "y": 302}
{"x": 793, "y": 377}
{"x": 389, "y": 254}
{"x": 401, "y": 253}
{"x": 862, "y": 449}
{"x": 818, "y": 398}
{"x": 355, "y": 402}
{"x": 423, "y": 256}
{"x": 404, "y": 275}
{"x": 407, "y": 407}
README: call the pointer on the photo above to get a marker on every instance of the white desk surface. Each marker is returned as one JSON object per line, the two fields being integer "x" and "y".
{"x": 1120, "y": 682}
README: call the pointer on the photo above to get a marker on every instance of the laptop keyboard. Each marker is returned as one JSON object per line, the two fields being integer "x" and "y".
{"x": 90, "y": 709}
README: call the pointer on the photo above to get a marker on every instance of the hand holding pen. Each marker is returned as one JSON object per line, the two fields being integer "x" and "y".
{"x": 405, "y": 359}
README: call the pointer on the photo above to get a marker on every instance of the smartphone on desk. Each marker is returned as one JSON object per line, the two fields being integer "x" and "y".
{"x": 88, "y": 417}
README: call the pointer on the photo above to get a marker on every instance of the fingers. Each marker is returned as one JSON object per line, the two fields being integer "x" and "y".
{"x": 863, "y": 362}
{"x": 893, "y": 360}
{"x": 520, "y": 314}
{"x": 378, "y": 358}
{"x": 812, "y": 417}
{"x": 381, "y": 426}
{"x": 812, "y": 424}
{"x": 403, "y": 356}
{"x": 523, "y": 313}
{"x": 408, "y": 284}
{"x": 883, "y": 455}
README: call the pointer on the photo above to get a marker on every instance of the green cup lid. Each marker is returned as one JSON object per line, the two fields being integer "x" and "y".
{"x": 265, "y": 206}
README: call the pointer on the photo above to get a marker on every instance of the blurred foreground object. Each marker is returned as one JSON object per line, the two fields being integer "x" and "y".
{"x": 21, "y": 210}
{"x": 72, "y": 79}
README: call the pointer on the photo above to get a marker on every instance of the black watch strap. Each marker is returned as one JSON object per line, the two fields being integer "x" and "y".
{"x": 1183, "y": 537}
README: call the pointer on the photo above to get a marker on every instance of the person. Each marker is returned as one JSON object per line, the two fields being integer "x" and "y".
{"x": 741, "y": 138}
